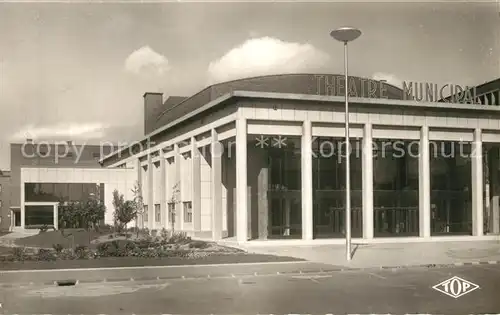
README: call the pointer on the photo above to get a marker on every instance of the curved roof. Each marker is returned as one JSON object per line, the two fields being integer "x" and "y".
{"x": 284, "y": 83}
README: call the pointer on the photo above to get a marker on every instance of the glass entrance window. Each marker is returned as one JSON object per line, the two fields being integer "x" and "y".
{"x": 451, "y": 194}
{"x": 285, "y": 189}
{"x": 395, "y": 188}
{"x": 329, "y": 169}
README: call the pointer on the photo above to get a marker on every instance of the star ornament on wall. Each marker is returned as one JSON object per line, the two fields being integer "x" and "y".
{"x": 262, "y": 142}
{"x": 279, "y": 142}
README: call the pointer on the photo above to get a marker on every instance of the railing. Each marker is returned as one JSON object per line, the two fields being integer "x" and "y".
{"x": 395, "y": 221}
{"x": 335, "y": 226}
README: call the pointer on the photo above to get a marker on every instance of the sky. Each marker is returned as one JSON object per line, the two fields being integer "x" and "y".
{"x": 78, "y": 71}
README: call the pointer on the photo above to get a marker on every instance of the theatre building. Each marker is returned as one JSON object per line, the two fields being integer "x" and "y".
{"x": 264, "y": 158}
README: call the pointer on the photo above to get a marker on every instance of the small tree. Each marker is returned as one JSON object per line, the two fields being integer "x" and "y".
{"x": 138, "y": 205}
{"x": 70, "y": 215}
{"x": 125, "y": 210}
{"x": 174, "y": 199}
{"x": 93, "y": 212}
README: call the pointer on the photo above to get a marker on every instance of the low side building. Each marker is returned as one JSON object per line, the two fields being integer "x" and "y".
{"x": 44, "y": 173}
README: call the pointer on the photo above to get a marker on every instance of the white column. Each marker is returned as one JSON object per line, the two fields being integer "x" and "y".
{"x": 241, "y": 180}
{"x": 367, "y": 173}
{"x": 56, "y": 215}
{"x": 12, "y": 221}
{"x": 477, "y": 184}
{"x": 139, "y": 218}
{"x": 150, "y": 202}
{"x": 177, "y": 171}
{"x": 216, "y": 151}
{"x": 306, "y": 171}
{"x": 163, "y": 190}
{"x": 23, "y": 209}
{"x": 424, "y": 184}
{"x": 196, "y": 176}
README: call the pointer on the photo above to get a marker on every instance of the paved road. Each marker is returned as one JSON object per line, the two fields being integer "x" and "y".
{"x": 382, "y": 291}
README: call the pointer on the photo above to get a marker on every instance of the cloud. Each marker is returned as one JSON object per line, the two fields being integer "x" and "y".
{"x": 146, "y": 61}
{"x": 390, "y": 78}
{"x": 263, "y": 56}
{"x": 67, "y": 131}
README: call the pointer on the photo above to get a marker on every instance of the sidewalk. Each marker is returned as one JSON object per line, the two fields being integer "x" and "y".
{"x": 391, "y": 255}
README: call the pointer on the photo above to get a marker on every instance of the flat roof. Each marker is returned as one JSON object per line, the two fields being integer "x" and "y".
{"x": 308, "y": 97}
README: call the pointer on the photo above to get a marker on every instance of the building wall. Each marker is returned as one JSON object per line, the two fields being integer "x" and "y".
{"x": 376, "y": 114}
{"x": 5, "y": 200}
{"x": 120, "y": 179}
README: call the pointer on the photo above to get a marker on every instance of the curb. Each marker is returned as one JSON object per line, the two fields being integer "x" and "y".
{"x": 255, "y": 274}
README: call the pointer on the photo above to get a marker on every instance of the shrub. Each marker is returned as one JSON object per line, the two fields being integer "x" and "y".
{"x": 58, "y": 248}
{"x": 135, "y": 252}
{"x": 115, "y": 248}
{"x": 81, "y": 252}
{"x": 102, "y": 249}
{"x": 7, "y": 258}
{"x": 66, "y": 254}
{"x": 179, "y": 238}
{"x": 45, "y": 255}
{"x": 178, "y": 253}
{"x": 144, "y": 244}
{"x": 164, "y": 234}
{"x": 130, "y": 246}
{"x": 19, "y": 253}
{"x": 198, "y": 244}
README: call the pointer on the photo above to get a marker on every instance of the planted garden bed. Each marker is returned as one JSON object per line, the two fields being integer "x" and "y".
{"x": 140, "y": 245}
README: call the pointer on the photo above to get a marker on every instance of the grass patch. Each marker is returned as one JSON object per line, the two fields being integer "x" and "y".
{"x": 49, "y": 238}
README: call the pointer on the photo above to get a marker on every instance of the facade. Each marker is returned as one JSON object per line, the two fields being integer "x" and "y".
{"x": 249, "y": 159}
{"x": 264, "y": 158}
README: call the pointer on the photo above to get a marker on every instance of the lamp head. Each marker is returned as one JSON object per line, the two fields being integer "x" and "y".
{"x": 345, "y": 34}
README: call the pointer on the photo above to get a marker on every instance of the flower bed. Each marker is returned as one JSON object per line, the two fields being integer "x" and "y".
{"x": 176, "y": 245}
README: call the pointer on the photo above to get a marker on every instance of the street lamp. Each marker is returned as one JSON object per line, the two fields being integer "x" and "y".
{"x": 345, "y": 35}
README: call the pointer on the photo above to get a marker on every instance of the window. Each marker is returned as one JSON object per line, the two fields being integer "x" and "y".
{"x": 0, "y": 204}
{"x": 145, "y": 214}
{"x": 54, "y": 192}
{"x": 37, "y": 216}
{"x": 0, "y": 188}
{"x": 157, "y": 213}
{"x": 188, "y": 212}
{"x": 171, "y": 212}
{"x": 96, "y": 155}
{"x": 69, "y": 155}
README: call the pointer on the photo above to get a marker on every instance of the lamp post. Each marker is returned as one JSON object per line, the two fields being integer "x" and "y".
{"x": 345, "y": 35}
